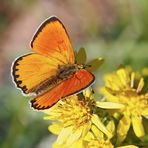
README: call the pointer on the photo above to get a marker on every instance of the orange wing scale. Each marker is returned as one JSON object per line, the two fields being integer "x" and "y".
{"x": 78, "y": 82}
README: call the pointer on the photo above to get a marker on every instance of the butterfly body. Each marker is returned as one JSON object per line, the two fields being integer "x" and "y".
{"x": 64, "y": 72}
{"x": 50, "y": 72}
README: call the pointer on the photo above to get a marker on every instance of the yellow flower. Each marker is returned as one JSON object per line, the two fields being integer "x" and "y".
{"x": 96, "y": 139}
{"x": 73, "y": 117}
{"x": 125, "y": 87}
{"x": 93, "y": 139}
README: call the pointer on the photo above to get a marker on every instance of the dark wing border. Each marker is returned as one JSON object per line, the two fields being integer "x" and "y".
{"x": 15, "y": 76}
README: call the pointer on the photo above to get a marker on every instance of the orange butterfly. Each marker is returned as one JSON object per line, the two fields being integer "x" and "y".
{"x": 50, "y": 72}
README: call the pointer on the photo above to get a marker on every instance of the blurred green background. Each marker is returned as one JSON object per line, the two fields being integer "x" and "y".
{"x": 114, "y": 30}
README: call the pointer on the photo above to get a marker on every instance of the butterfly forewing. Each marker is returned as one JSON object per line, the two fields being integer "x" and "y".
{"x": 51, "y": 37}
{"x": 33, "y": 69}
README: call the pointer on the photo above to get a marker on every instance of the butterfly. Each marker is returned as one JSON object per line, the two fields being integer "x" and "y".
{"x": 50, "y": 71}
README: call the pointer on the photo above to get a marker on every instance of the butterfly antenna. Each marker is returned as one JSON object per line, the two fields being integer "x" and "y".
{"x": 85, "y": 66}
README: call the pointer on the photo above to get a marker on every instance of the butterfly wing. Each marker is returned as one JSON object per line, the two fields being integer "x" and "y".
{"x": 51, "y": 37}
{"x": 78, "y": 82}
{"x": 30, "y": 70}
{"x": 53, "y": 48}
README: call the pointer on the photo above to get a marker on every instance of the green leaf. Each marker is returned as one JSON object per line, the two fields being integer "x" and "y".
{"x": 81, "y": 56}
{"x": 94, "y": 64}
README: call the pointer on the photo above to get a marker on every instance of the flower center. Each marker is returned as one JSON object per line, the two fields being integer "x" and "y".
{"x": 75, "y": 112}
{"x": 134, "y": 104}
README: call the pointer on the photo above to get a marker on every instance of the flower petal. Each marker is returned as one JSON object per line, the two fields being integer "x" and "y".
{"x": 137, "y": 126}
{"x": 55, "y": 128}
{"x": 89, "y": 136}
{"x": 140, "y": 85}
{"x": 132, "y": 79}
{"x": 145, "y": 112}
{"x": 49, "y": 118}
{"x": 47, "y": 111}
{"x": 108, "y": 95}
{"x": 73, "y": 137}
{"x": 123, "y": 127}
{"x": 111, "y": 126}
{"x": 95, "y": 119}
{"x": 123, "y": 76}
{"x": 64, "y": 134}
{"x": 86, "y": 128}
{"x": 88, "y": 93}
{"x": 97, "y": 132}
{"x": 50, "y": 111}
{"x": 109, "y": 105}
{"x": 77, "y": 144}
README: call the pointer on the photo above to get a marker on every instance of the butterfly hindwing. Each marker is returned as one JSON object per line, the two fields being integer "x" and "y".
{"x": 48, "y": 99}
{"x": 78, "y": 82}
{"x": 51, "y": 37}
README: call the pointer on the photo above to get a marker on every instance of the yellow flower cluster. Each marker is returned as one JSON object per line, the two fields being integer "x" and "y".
{"x": 74, "y": 118}
{"x": 79, "y": 121}
{"x": 125, "y": 87}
